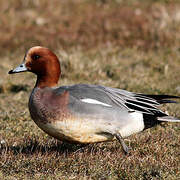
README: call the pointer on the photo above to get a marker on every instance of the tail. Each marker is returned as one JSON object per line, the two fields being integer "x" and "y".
{"x": 168, "y": 119}
{"x": 162, "y": 99}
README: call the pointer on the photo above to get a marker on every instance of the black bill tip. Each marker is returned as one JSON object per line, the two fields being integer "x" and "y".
{"x": 10, "y": 72}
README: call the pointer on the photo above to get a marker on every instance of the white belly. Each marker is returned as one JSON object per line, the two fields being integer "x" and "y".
{"x": 77, "y": 131}
{"x": 90, "y": 131}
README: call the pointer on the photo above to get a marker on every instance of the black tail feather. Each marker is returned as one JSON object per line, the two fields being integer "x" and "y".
{"x": 162, "y": 99}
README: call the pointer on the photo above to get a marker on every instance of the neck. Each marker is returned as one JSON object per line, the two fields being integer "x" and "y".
{"x": 46, "y": 81}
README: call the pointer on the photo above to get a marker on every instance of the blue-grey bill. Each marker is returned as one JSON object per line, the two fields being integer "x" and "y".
{"x": 20, "y": 68}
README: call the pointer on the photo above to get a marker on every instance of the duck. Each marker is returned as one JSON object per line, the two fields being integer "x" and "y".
{"x": 87, "y": 113}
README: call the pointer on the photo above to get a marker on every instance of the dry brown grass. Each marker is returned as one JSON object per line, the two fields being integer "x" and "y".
{"x": 88, "y": 24}
{"x": 131, "y": 45}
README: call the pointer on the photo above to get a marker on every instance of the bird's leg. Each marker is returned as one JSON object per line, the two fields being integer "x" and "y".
{"x": 120, "y": 139}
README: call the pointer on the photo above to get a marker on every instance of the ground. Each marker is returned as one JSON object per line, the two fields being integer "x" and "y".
{"x": 132, "y": 44}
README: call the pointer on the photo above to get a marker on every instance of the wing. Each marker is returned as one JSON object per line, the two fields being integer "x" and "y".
{"x": 122, "y": 99}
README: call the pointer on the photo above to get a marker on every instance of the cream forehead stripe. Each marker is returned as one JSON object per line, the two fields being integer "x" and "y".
{"x": 35, "y": 48}
{"x": 27, "y": 57}
{"x": 32, "y": 50}
{"x": 94, "y": 101}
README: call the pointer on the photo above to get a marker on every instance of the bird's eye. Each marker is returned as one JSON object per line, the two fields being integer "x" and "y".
{"x": 35, "y": 57}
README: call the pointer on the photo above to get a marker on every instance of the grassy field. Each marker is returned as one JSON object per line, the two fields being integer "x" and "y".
{"x": 132, "y": 44}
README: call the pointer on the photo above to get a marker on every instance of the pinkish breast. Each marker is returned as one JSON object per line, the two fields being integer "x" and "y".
{"x": 44, "y": 107}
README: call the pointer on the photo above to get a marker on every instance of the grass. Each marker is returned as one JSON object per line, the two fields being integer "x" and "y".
{"x": 107, "y": 47}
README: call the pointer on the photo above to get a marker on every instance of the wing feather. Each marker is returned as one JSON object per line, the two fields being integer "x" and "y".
{"x": 125, "y": 100}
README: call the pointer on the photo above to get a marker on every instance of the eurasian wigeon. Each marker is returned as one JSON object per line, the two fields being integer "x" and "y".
{"x": 85, "y": 113}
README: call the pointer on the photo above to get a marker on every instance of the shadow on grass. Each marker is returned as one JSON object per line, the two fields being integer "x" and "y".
{"x": 18, "y": 88}
{"x": 32, "y": 146}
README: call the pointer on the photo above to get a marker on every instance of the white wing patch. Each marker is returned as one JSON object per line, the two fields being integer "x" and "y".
{"x": 94, "y": 101}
